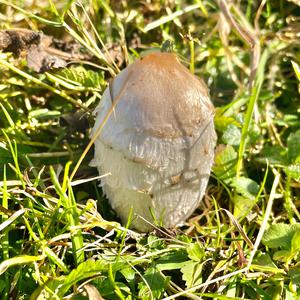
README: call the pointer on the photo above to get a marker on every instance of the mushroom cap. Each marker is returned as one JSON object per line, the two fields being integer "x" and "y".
{"x": 158, "y": 143}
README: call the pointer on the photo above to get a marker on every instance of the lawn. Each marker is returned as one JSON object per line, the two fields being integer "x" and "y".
{"x": 60, "y": 238}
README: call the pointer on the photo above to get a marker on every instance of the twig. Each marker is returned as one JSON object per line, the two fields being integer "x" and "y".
{"x": 250, "y": 38}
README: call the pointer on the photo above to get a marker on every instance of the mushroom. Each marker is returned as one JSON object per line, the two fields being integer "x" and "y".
{"x": 157, "y": 142}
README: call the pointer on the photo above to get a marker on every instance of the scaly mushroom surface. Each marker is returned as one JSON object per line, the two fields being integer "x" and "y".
{"x": 157, "y": 144}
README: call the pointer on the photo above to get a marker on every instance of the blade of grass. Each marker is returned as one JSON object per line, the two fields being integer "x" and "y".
{"x": 111, "y": 277}
{"x": 296, "y": 69}
{"x": 192, "y": 54}
{"x": 4, "y": 239}
{"x": 202, "y": 7}
{"x": 238, "y": 227}
{"x": 77, "y": 239}
{"x": 19, "y": 260}
{"x": 55, "y": 259}
{"x": 218, "y": 223}
{"x": 12, "y": 219}
{"x": 70, "y": 206}
{"x": 262, "y": 186}
{"x": 268, "y": 211}
{"x": 166, "y": 19}
{"x": 255, "y": 91}
{"x": 124, "y": 234}
{"x": 8, "y": 118}
{"x": 14, "y": 153}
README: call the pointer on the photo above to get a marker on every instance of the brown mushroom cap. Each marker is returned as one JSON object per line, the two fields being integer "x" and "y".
{"x": 160, "y": 99}
{"x": 154, "y": 83}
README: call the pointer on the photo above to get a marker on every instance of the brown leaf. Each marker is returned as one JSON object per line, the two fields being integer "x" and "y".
{"x": 92, "y": 292}
{"x": 43, "y": 52}
{"x": 19, "y": 40}
{"x": 40, "y": 61}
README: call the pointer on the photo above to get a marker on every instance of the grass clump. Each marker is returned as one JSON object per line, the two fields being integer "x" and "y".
{"x": 59, "y": 237}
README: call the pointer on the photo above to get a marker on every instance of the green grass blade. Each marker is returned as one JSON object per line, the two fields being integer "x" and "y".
{"x": 252, "y": 101}
{"x": 4, "y": 239}
{"x": 77, "y": 239}
{"x": 19, "y": 260}
{"x": 172, "y": 16}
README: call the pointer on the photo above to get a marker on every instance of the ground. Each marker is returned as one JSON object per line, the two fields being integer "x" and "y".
{"x": 59, "y": 236}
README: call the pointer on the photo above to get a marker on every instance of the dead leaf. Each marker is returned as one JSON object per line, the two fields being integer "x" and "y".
{"x": 92, "y": 292}
{"x": 43, "y": 52}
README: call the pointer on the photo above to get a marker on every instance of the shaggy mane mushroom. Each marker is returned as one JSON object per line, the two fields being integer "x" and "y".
{"x": 158, "y": 143}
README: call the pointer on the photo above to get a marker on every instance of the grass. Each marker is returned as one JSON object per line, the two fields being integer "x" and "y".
{"x": 59, "y": 237}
